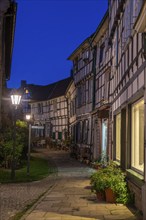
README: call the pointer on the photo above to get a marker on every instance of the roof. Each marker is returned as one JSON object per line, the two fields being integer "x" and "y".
{"x": 98, "y": 29}
{"x": 82, "y": 45}
{"x": 51, "y": 91}
{"x": 88, "y": 41}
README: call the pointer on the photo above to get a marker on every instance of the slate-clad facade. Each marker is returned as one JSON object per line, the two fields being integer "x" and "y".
{"x": 7, "y": 27}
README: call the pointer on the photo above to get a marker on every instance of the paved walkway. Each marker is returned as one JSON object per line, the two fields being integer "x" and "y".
{"x": 15, "y": 197}
{"x": 71, "y": 197}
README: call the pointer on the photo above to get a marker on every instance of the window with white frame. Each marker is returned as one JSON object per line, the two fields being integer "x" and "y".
{"x": 137, "y": 136}
{"x": 118, "y": 137}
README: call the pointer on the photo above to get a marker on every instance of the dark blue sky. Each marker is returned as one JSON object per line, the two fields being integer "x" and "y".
{"x": 47, "y": 32}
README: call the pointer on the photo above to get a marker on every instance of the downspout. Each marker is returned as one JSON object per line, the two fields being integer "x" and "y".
{"x": 94, "y": 77}
{"x": 94, "y": 49}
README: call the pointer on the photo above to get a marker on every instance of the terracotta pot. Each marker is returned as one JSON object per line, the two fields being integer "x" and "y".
{"x": 97, "y": 166}
{"x": 110, "y": 196}
{"x": 100, "y": 196}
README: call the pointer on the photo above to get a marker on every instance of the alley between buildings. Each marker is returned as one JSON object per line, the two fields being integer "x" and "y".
{"x": 67, "y": 195}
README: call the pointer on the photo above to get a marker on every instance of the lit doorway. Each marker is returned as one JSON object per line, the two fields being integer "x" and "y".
{"x": 104, "y": 139}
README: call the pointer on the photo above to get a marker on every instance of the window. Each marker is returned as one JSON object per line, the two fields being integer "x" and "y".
{"x": 55, "y": 105}
{"x": 101, "y": 53}
{"x": 76, "y": 64}
{"x": 79, "y": 132}
{"x": 90, "y": 91}
{"x": 79, "y": 96}
{"x": 40, "y": 108}
{"x": 144, "y": 44}
{"x": 118, "y": 137}
{"x": 60, "y": 135}
{"x": 137, "y": 137}
{"x": 53, "y": 135}
{"x": 85, "y": 131}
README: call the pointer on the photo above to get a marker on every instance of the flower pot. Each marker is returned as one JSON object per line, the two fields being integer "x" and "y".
{"x": 100, "y": 196}
{"x": 97, "y": 166}
{"x": 110, "y": 196}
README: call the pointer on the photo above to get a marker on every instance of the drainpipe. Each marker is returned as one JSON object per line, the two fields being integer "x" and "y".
{"x": 94, "y": 49}
{"x": 94, "y": 77}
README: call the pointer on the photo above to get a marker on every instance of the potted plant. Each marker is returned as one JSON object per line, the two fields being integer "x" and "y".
{"x": 98, "y": 184}
{"x": 111, "y": 179}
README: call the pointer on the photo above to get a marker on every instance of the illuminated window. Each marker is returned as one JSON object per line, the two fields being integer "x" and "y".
{"x": 118, "y": 137}
{"x": 137, "y": 138}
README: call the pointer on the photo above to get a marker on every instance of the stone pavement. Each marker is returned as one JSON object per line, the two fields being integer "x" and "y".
{"x": 71, "y": 197}
{"x": 15, "y": 197}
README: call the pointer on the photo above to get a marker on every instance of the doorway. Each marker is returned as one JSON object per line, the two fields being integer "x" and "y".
{"x": 104, "y": 139}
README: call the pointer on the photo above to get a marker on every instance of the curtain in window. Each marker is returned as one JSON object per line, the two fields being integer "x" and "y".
{"x": 137, "y": 160}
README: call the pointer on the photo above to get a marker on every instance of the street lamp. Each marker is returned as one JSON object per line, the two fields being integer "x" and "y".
{"x": 28, "y": 117}
{"x": 15, "y": 99}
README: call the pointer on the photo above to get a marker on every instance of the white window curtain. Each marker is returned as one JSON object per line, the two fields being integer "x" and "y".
{"x": 137, "y": 151}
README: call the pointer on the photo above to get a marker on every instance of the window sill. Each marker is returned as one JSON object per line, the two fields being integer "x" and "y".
{"x": 135, "y": 177}
{"x": 117, "y": 163}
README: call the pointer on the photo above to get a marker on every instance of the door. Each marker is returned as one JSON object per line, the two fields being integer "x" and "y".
{"x": 104, "y": 139}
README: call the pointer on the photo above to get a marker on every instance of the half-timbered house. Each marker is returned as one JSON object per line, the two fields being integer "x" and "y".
{"x": 140, "y": 27}
{"x": 71, "y": 101}
{"x": 82, "y": 59}
{"x": 101, "y": 121}
{"x": 128, "y": 74}
{"x": 49, "y": 108}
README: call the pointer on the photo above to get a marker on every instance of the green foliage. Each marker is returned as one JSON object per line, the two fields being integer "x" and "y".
{"x": 39, "y": 168}
{"x": 111, "y": 177}
{"x": 6, "y": 144}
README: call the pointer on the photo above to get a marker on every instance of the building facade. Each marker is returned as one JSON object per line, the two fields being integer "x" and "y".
{"x": 127, "y": 84}
{"x": 83, "y": 75}
{"x": 71, "y": 102}
{"x": 7, "y": 27}
{"x": 103, "y": 107}
{"x": 49, "y": 108}
{"x": 111, "y": 67}
{"x": 101, "y": 114}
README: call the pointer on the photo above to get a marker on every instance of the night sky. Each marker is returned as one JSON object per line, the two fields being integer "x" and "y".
{"x": 47, "y": 32}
